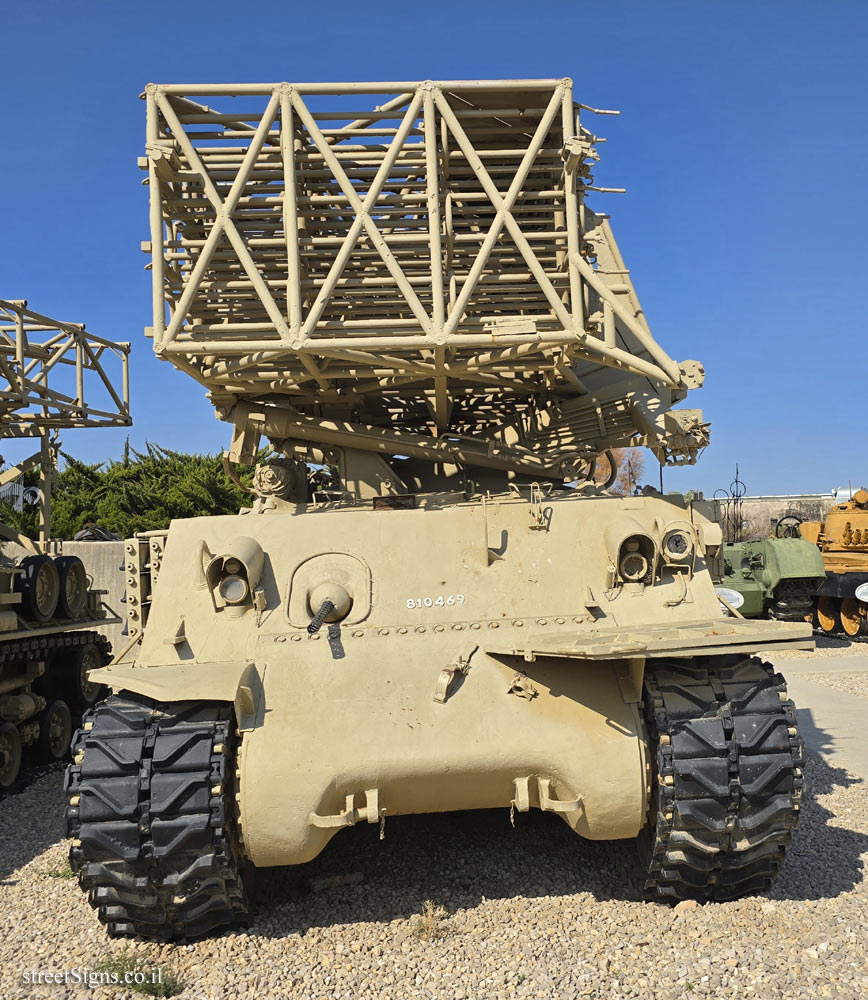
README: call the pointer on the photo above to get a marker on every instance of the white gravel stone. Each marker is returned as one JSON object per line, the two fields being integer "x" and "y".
{"x": 825, "y": 646}
{"x": 533, "y": 912}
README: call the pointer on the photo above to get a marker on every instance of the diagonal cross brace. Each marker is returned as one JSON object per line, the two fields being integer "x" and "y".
{"x": 223, "y": 221}
{"x": 503, "y": 205}
{"x": 363, "y": 218}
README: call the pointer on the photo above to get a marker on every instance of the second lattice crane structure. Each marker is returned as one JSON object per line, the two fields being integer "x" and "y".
{"x": 54, "y": 375}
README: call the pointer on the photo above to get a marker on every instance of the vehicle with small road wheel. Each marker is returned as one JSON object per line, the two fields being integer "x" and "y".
{"x": 841, "y": 607}
{"x": 776, "y": 577}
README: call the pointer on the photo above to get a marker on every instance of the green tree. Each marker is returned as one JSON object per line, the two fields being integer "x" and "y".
{"x": 143, "y": 491}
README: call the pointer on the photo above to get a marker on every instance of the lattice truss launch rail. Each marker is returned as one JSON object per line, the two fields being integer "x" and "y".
{"x": 57, "y": 375}
{"x": 411, "y": 256}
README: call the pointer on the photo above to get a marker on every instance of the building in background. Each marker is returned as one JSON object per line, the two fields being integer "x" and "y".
{"x": 760, "y": 515}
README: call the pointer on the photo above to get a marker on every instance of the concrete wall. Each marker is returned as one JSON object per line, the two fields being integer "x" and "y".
{"x": 104, "y": 562}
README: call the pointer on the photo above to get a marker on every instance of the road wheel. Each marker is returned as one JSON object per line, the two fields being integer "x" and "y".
{"x": 82, "y": 692}
{"x": 73, "y": 586}
{"x": 828, "y": 615}
{"x": 10, "y": 754}
{"x": 39, "y": 586}
{"x": 55, "y": 731}
{"x": 853, "y": 617}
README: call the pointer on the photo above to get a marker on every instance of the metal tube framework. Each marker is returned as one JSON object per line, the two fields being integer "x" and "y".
{"x": 421, "y": 263}
{"x": 51, "y": 371}
{"x": 37, "y": 354}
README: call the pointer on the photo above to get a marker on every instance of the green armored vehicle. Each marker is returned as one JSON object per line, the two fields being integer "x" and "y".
{"x": 775, "y": 577}
{"x": 403, "y": 282}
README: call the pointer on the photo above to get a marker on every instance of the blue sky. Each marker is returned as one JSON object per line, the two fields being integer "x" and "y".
{"x": 742, "y": 145}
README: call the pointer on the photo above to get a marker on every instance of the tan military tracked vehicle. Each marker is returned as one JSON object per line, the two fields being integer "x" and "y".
{"x": 402, "y": 284}
{"x": 841, "y": 606}
{"x": 53, "y": 375}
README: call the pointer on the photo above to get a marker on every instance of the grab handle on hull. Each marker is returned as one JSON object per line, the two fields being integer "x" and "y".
{"x": 350, "y": 815}
{"x": 547, "y": 800}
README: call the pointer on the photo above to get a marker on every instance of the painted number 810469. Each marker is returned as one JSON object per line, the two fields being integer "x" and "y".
{"x": 444, "y": 600}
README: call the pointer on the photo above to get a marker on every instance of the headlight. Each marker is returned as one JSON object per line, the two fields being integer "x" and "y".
{"x": 234, "y": 575}
{"x": 633, "y": 552}
{"x": 233, "y": 589}
{"x": 677, "y": 546}
{"x": 633, "y": 565}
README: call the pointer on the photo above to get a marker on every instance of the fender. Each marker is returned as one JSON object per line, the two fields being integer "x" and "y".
{"x": 235, "y": 681}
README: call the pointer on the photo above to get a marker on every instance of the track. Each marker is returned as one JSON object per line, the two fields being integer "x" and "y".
{"x": 39, "y": 646}
{"x": 153, "y": 838}
{"x": 57, "y": 682}
{"x": 840, "y": 635}
{"x": 729, "y": 778}
{"x": 793, "y": 600}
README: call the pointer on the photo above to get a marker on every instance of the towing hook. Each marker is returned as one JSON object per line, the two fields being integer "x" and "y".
{"x": 316, "y": 623}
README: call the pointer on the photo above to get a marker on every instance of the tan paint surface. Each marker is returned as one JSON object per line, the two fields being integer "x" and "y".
{"x": 492, "y": 648}
{"x": 330, "y": 716}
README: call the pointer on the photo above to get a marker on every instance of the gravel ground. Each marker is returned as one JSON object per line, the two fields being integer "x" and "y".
{"x": 533, "y": 912}
{"x": 855, "y": 683}
{"x": 828, "y": 646}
